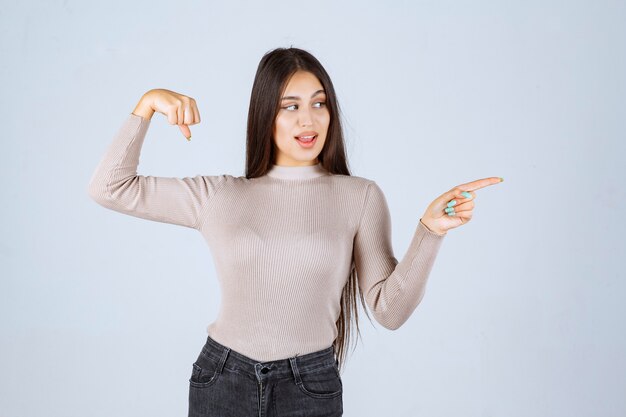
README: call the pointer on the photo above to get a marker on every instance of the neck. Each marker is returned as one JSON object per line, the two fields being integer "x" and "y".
{"x": 297, "y": 172}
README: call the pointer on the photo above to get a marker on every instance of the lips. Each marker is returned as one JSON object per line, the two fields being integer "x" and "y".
{"x": 306, "y": 138}
{"x": 306, "y": 142}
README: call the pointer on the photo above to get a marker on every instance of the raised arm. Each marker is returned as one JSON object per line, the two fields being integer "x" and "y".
{"x": 392, "y": 289}
{"x": 116, "y": 185}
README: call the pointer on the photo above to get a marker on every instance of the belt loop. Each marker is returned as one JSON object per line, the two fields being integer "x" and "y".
{"x": 294, "y": 370}
{"x": 222, "y": 361}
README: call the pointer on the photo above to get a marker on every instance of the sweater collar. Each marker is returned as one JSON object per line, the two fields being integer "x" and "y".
{"x": 297, "y": 172}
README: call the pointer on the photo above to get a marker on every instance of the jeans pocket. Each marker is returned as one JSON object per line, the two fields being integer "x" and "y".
{"x": 204, "y": 373}
{"x": 321, "y": 383}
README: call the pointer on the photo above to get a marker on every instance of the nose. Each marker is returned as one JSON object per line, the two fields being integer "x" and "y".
{"x": 305, "y": 118}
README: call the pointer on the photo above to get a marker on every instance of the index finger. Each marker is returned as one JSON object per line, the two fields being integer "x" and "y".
{"x": 482, "y": 183}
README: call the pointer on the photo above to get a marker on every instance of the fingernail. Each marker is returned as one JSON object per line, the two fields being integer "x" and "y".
{"x": 189, "y": 138}
{"x": 501, "y": 179}
{"x": 466, "y": 194}
{"x": 449, "y": 210}
{"x": 452, "y": 203}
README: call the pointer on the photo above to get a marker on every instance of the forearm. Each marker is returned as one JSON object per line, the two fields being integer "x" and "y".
{"x": 394, "y": 299}
{"x": 110, "y": 183}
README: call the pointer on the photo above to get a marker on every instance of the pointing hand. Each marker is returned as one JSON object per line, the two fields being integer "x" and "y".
{"x": 455, "y": 207}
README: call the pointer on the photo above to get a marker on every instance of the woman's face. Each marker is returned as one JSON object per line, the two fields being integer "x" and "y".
{"x": 303, "y": 112}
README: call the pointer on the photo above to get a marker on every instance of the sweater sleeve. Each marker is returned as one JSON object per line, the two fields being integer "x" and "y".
{"x": 116, "y": 185}
{"x": 392, "y": 289}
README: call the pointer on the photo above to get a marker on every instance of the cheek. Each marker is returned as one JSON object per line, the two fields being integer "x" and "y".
{"x": 283, "y": 141}
{"x": 323, "y": 117}
{"x": 323, "y": 124}
{"x": 320, "y": 144}
{"x": 281, "y": 133}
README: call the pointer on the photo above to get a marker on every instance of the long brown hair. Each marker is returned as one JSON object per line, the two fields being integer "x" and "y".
{"x": 272, "y": 75}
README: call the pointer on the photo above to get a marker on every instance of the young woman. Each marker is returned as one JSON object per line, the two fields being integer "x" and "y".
{"x": 294, "y": 241}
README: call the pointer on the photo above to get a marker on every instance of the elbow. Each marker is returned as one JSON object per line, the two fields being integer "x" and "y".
{"x": 91, "y": 192}
{"x": 102, "y": 196}
{"x": 391, "y": 322}
{"x": 393, "y": 319}
{"x": 388, "y": 315}
{"x": 120, "y": 196}
{"x": 98, "y": 191}
{"x": 394, "y": 324}
{"x": 95, "y": 192}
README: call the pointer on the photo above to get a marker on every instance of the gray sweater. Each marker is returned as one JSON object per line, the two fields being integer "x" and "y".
{"x": 282, "y": 245}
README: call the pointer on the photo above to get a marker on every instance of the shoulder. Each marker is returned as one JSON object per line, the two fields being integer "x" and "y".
{"x": 365, "y": 187}
{"x": 355, "y": 182}
{"x": 361, "y": 188}
{"x": 219, "y": 182}
{"x": 223, "y": 179}
{"x": 365, "y": 193}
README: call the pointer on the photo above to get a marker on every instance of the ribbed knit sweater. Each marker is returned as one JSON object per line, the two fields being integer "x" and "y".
{"x": 282, "y": 245}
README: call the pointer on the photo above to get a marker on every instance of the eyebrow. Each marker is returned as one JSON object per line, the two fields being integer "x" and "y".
{"x": 298, "y": 98}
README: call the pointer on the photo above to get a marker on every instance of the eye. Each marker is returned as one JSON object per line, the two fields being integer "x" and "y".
{"x": 321, "y": 103}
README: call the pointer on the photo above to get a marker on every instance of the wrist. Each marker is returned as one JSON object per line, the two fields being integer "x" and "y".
{"x": 432, "y": 229}
{"x": 144, "y": 107}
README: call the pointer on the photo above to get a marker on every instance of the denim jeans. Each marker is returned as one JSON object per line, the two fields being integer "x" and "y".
{"x": 225, "y": 383}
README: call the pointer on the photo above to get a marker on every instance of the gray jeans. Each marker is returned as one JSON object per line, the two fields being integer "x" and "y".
{"x": 225, "y": 383}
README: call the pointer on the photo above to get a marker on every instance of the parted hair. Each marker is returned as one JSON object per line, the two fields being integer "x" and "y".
{"x": 273, "y": 73}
